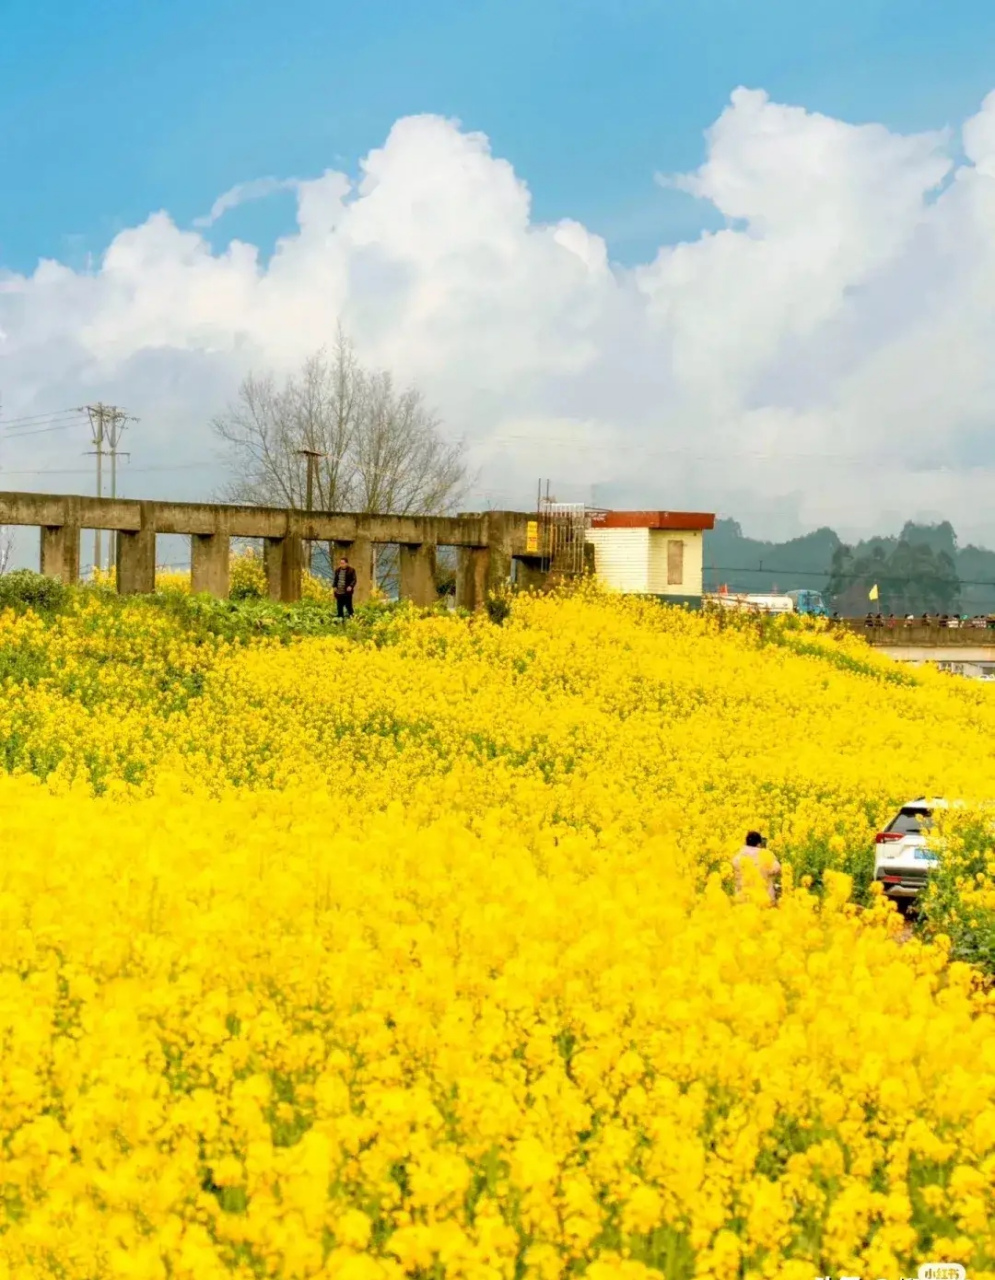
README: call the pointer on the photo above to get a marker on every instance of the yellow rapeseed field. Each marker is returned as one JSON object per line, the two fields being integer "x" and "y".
{"x": 415, "y": 955}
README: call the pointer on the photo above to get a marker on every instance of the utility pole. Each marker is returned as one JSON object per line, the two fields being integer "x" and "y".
{"x": 115, "y": 429}
{"x": 312, "y": 456}
{"x": 107, "y": 423}
{"x": 98, "y": 419}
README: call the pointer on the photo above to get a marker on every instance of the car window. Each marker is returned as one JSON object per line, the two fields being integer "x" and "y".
{"x": 911, "y": 822}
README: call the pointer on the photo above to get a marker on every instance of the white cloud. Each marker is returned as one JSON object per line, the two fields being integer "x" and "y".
{"x": 825, "y": 358}
{"x": 242, "y": 193}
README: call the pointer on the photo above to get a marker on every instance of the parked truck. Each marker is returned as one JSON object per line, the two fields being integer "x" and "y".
{"x": 809, "y": 602}
{"x": 750, "y": 603}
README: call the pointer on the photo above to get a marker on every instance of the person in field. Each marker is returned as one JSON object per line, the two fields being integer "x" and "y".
{"x": 344, "y": 584}
{"x": 754, "y": 854}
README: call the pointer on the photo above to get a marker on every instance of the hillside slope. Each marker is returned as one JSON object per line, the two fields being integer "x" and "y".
{"x": 412, "y": 954}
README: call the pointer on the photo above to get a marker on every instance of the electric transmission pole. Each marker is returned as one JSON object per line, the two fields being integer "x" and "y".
{"x": 97, "y": 415}
{"x": 107, "y": 423}
{"x": 115, "y": 429}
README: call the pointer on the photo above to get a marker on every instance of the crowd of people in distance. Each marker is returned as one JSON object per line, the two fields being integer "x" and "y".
{"x": 980, "y": 622}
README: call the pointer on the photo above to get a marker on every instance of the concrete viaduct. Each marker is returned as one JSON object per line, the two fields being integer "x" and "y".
{"x": 919, "y": 643}
{"x": 486, "y": 543}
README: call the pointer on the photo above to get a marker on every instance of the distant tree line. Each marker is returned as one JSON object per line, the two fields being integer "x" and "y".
{"x": 921, "y": 570}
{"x": 910, "y": 577}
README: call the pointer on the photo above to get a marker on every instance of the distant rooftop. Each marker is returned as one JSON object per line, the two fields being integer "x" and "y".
{"x": 683, "y": 520}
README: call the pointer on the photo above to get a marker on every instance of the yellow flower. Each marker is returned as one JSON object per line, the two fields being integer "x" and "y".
{"x": 414, "y": 953}
{"x": 643, "y": 1210}
{"x": 353, "y": 1229}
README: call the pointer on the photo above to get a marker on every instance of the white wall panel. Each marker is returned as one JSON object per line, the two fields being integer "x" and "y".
{"x": 636, "y": 560}
{"x": 658, "y": 562}
{"x": 621, "y": 558}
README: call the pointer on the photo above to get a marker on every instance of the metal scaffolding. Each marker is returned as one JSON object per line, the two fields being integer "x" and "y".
{"x": 562, "y": 538}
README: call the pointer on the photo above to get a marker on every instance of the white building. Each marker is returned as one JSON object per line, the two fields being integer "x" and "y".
{"x": 659, "y": 553}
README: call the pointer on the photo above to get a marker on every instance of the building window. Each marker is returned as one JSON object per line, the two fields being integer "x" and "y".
{"x": 675, "y": 563}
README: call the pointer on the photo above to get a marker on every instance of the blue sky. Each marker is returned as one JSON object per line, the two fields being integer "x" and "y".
{"x": 111, "y": 110}
{"x": 847, "y": 318}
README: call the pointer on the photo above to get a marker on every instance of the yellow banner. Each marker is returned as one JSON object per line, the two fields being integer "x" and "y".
{"x": 532, "y": 537}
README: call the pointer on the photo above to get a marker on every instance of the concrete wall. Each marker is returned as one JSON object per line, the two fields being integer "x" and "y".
{"x": 918, "y": 654}
{"x": 918, "y": 636}
{"x": 488, "y": 542}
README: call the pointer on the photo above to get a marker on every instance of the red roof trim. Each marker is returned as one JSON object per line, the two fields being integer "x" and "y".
{"x": 686, "y": 520}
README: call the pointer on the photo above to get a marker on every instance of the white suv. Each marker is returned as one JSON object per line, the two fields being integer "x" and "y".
{"x": 902, "y": 857}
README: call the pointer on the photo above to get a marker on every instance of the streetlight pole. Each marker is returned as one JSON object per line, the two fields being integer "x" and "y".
{"x": 312, "y": 456}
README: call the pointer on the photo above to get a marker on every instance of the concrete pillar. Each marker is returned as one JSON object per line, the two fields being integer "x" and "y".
{"x": 359, "y": 553}
{"x": 136, "y": 560}
{"x": 472, "y": 565}
{"x": 498, "y": 569}
{"x": 418, "y": 574}
{"x": 293, "y": 564}
{"x": 60, "y": 552}
{"x": 209, "y": 563}
{"x": 273, "y": 566}
{"x": 282, "y": 561}
{"x": 499, "y": 546}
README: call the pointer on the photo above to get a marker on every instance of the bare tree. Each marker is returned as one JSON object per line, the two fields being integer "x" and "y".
{"x": 402, "y": 463}
{"x": 268, "y": 426}
{"x": 382, "y": 449}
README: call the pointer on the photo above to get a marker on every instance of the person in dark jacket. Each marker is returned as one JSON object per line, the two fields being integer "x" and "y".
{"x": 344, "y": 584}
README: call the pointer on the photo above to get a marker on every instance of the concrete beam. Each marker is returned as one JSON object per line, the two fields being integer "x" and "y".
{"x": 417, "y": 574}
{"x": 210, "y": 555}
{"x": 319, "y": 526}
{"x": 41, "y": 509}
{"x": 470, "y": 529}
{"x": 60, "y": 552}
{"x": 472, "y": 566}
{"x": 109, "y": 513}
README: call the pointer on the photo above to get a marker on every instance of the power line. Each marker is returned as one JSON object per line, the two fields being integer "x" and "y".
{"x": 634, "y": 452}
{"x": 40, "y": 417}
{"x": 85, "y": 471}
{"x": 717, "y": 453}
{"x": 843, "y": 577}
{"x": 38, "y": 431}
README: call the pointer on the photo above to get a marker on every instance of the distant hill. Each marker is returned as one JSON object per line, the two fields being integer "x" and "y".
{"x": 751, "y": 564}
